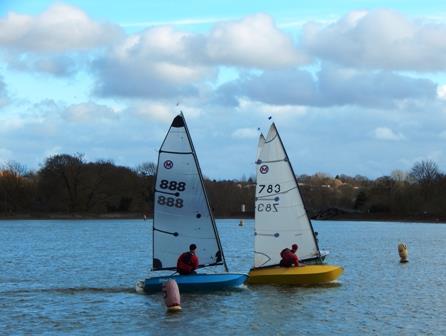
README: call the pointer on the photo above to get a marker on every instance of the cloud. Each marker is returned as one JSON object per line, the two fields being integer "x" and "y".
{"x": 59, "y": 29}
{"x": 159, "y": 62}
{"x": 254, "y": 41}
{"x": 162, "y": 62}
{"x": 378, "y": 39}
{"x": 85, "y": 112}
{"x": 58, "y": 65}
{"x": 441, "y": 92}
{"x": 385, "y": 133}
{"x": 332, "y": 86}
{"x": 245, "y": 133}
{"x": 56, "y": 42}
{"x": 153, "y": 111}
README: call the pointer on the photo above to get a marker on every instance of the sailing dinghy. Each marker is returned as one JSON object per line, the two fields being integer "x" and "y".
{"x": 182, "y": 216}
{"x": 281, "y": 220}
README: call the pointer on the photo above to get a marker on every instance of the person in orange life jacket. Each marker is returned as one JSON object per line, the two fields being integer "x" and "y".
{"x": 188, "y": 262}
{"x": 289, "y": 257}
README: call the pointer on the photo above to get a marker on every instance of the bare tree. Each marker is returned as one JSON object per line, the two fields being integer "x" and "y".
{"x": 146, "y": 169}
{"x": 425, "y": 172}
{"x": 399, "y": 175}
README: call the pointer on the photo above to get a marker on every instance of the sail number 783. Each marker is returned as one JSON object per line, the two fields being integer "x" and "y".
{"x": 268, "y": 207}
{"x": 269, "y": 188}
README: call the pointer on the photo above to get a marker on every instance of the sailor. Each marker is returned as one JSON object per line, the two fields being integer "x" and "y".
{"x": 188, "y": 262}
{"x": 289, "y": 257}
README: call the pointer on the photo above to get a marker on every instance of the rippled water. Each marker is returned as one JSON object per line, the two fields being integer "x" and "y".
{"x": 77, "y": 277}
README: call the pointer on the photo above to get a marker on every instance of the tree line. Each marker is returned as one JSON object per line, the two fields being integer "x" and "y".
{"x": 68, "y": 185}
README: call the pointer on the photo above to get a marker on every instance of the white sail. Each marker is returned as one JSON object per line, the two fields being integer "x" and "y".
{"x": 182, "y": 215}
{"x": 280, "y": 216}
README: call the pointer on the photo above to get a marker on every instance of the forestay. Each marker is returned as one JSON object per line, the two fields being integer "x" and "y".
{"x": 182, "y": 215}
{"x": 280, "y": 216}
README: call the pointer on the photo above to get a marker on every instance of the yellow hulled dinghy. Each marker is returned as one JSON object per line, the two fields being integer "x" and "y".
{"x": 281, "y": 220}
{"x": 307, "y": 275}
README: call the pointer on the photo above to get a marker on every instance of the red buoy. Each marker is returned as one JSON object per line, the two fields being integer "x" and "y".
{"x": 172, "y": 296}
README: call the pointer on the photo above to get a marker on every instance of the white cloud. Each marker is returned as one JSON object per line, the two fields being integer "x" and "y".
{"x": 254, "y": 41}
{"x": 159, "y": 62}
{"x": 153, "y": 111}
{"x": 245, "y": 133}
{"x": 379, "y": 39}
{"x": 385, "y": 133}
{"x": 89, "y": 111}
{"x": 441, "y": 92}
{"x": 61, "y": 28}
{"x": 165, "y": 62}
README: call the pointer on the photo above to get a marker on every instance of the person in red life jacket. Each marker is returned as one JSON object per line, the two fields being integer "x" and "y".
{"x": 188, "y": 262}
{"x": 289, "y": 257}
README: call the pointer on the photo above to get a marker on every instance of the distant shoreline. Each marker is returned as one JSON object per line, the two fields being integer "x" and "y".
{"x": 376, "y": 217}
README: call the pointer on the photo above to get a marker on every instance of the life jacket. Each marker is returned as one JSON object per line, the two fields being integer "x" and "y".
{"x": 187, "y": 263}
{"x": 288, "y": 258}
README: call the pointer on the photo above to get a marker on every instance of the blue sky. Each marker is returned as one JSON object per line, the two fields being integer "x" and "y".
{"x": 354, "y": 87}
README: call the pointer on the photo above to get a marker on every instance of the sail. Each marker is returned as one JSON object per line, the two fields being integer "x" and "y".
{"x": 280, "y": 216}
{"x": 182, "y": 215}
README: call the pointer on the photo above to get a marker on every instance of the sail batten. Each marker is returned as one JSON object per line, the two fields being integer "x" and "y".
{"x": 280, "y": 215}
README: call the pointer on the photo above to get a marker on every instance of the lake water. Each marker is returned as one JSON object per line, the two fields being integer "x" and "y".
{"x": 77, "y": 278}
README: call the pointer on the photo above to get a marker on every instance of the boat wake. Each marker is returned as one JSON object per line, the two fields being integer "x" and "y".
{"x": 72, "y": 290}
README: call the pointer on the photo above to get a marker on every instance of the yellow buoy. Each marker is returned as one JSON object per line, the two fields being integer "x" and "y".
{"x": 403, "y": 252}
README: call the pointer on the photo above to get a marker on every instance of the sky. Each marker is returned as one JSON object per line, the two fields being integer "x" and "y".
{"x": 354, "y": 87}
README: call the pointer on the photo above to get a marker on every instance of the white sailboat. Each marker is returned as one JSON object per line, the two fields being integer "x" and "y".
{"x": 182, "y": 216}
{"x": 281, "y": 220}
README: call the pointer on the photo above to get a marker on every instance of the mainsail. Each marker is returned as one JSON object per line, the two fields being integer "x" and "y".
{"x": 182, "y": 215}
{"x": 280, "y": 216}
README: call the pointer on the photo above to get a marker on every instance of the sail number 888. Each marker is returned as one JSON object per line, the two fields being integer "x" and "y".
{"x": 173, "y": 185}
{"x": 170, "y": 201}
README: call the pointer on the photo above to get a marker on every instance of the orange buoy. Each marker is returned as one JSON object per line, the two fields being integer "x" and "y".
{"x": 172, "y": 296}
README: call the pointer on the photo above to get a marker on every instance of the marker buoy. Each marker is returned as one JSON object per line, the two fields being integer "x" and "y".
{"x": 172, "y": 296}
{"x": 403, "y": 252}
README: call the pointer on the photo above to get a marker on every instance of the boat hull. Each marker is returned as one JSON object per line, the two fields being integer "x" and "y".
{"x": 195, "y": 282}
{"x": 306, "y": 275}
